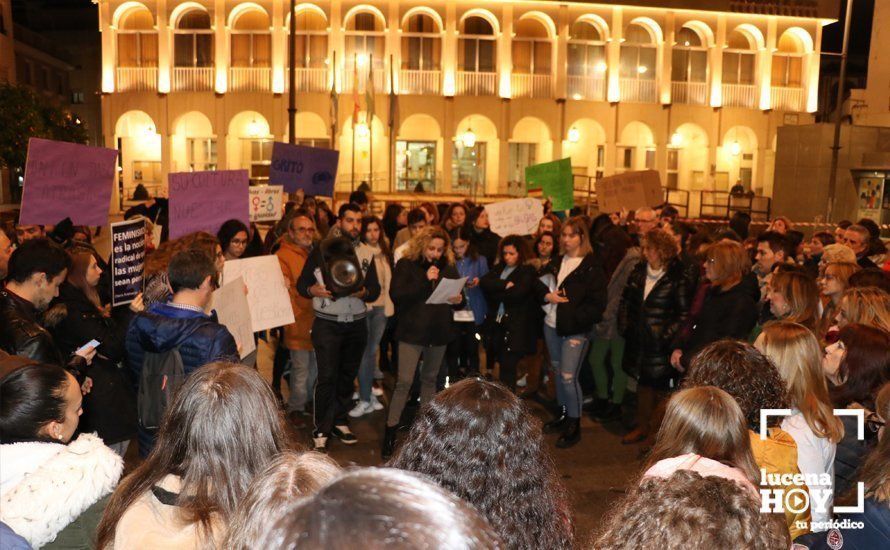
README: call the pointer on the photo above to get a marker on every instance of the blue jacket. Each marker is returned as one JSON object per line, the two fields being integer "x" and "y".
{"x": 470, "y": 268}
{"x": 874, "y": 534}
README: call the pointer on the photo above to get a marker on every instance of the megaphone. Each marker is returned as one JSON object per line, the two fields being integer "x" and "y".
{"x": 341, "y": 269}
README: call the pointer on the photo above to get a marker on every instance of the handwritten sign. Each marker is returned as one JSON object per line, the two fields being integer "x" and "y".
{"x": 203, "y": 201}
{"x": 311, "y": 169}
{"x": 515, "y": 217}
{"x": 630, "y": 190}
{"x": 127, "y": 260}
{"x": 266, "y": 203}
{"x": 233, "y": 312}
{"x": 67, "y": 180}
{"x": 267, "y": 295}
{"x": 556, "y": 182}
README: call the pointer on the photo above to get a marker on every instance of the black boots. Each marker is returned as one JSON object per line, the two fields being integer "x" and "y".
{"x": 558, "y": 423}
{"x": 389, "y": 442}
{"x": 572, "y": 433}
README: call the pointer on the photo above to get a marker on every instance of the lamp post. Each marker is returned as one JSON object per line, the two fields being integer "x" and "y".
{"x": 836, "y": 146}
{"x": 292, "y": 76}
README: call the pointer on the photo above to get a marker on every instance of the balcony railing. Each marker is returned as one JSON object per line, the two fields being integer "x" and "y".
{"x": 250, "y": 79}
{"x": 786, "y": 99}
{"x": 530, "y": 85}
{"x": 379, "y": 76}
{"x": 692, "y": 93}
{"x": 740, "y": 95}
{"x": 638, "y": 90}
{"x": 586, "y": 87}
{"x": 310, "y": 80}
{"x": 420, "y": 82}
{"x": 192, "y": 79}
{"x": 473, "y": 83}
{"x": 137, "y": 79}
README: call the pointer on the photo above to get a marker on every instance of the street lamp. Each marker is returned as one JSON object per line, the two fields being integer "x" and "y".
{"x": 735, "y": 148}
{"x": 574, "y": 135}
{"x": 253, "y": 129}
{"x": 362, "y": 130}
{"x": 468, "y": 138}
{"x": 677, "y": 139}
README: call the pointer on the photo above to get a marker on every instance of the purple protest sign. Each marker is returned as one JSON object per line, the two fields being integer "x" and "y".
{"x": 202, "y": 201}
{"x": 311, "y": 169}
{"x": 67, "y": 180}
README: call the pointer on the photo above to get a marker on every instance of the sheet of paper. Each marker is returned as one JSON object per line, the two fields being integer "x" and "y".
{"x": 232, "y": 311}
{"x": 267, "y": 295}
{"x": 447, "y": 288}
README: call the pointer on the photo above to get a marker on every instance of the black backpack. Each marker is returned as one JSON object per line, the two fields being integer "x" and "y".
{"x": 162, "y": 375}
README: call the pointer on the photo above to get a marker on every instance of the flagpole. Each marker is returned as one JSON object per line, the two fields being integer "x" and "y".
{"x": 392, "y": 122}
{"x": 292, "y": 77}
{"x": 368, "y": 110}
{"x": 354, "y": 92}
{"x": 335, "y": 107}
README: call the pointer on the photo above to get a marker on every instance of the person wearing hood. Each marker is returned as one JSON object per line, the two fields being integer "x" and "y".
{"x": 181, "y": 324}
{"x": 53, "y": 487}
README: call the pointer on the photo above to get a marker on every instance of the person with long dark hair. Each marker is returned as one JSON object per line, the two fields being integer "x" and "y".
{"x": 455, "y": 216}
{"x": 544, "y": 250}
{"x": 483, "y": 238}
{"x": 462, "y": 354}
{"x": 52, "y": 487}
{"x": 395, "y": 217}
{"x": 234, "y": 237}
{"x": 479, "y": 441}
{"x": 574, "y": 298}
{"x": 509, "y": 292}
{"x": 424, "y": 329}
{"x": 186, "y": 491}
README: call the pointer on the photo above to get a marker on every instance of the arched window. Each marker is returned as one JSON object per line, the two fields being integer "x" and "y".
{"x": 193, "y": 40}
{"x": 587, "y": 51}
{"x": 476, "y": 46}
{"x": 531, "y": 48}
{"x": 251, "y": 40}
{"x": 690, "y": 57}
{"x": 365, "y": 36}
{"x": 137, "y": 39}
{"x": 310, "y": 40}
{"x": 638, "y": 54}
{"x": 421, "y": 44}
{"x": 738, "y": 59}
{"x": 788, "y": 62}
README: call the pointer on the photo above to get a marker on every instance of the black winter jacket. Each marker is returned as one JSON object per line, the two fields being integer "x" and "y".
{"x": 420, "y": 323}
{"x": 651, "y": 325}
{"x": 520, "y": 320}
{"x": 585, "y": 287}
{"x": 728, "y": 313}
{"x": 486, "y": 243}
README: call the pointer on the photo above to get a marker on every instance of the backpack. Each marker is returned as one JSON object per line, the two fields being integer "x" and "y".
{"x": 162, "y": 375}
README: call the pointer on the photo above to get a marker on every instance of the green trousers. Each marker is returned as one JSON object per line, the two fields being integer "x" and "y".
{"x": 598, "y": 351}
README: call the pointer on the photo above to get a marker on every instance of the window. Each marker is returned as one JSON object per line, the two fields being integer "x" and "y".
{"x": 251, "y": 40}
{"x": 690, "y": 58}
{"x": 365, "y": 36}
{"x": 738, "y": 60}
{"x": 201, "y": 154}
{"x": 673, "y": 168}
{"x": 476, "y": 46}
{"x": 521, "y": 156}
{"x": 587, "y": 51}
{"x": 468, "y": 168}
{"x": 788, "y": 62}
{"x": 323, "y": 143}
{"x": 193, "y": 40}
{"x": 415, "y": 164}
{"x": 638, "y": 53}
{"x": 421, "y": 44}
{"x": 531, "y": 48}
{"x": 256, "y": 157}
{"x": 137, "y": 41}
{"x": 311, "y": 40}
{"x": 77, "y": 98}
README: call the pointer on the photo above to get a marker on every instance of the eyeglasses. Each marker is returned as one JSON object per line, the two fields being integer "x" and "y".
{"x": 303, "y": 229}
{"x": 237, "y": 242}
{"x": 874, "y": 423}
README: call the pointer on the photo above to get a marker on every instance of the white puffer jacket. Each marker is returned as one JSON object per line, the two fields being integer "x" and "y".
{"x": 46, "y": 486}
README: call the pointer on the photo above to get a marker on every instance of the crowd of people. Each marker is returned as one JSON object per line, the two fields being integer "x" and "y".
{"x": 680, "y": 334}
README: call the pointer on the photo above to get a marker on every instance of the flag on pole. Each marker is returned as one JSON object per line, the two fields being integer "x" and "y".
{"x": 356, "y": 107}
{"x": 393, "y": 97}
{"x": 369, "y": 92}
{"x": 335, "y": 108}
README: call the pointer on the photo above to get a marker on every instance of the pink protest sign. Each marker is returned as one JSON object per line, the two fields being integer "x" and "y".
{"x": 203, "y": 201}
{"x": 67, "y": 180}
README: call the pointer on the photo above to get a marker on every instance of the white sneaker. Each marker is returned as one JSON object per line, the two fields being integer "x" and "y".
{"x": 377, "y": 389}
{"x": 375, "y": 404}
{"x": 522, "y": 381}
{"x": 320, "y": 443}
{"x": 361, "y": 408}
{"x": 355, "y": 395}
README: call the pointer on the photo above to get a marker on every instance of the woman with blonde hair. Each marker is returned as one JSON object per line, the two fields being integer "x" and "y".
{"x": 795, "y": 352}
{"x": 288, "y": 478}
{"x": 865, "y": 306}
{"x": 833, "y": 283}
{"x": 424, "y": 329}
{"x": 780, "y": 224}
{"x": 793, "y": 297}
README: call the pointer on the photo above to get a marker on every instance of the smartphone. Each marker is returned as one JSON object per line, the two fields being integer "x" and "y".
{"x": 91, "y": 344}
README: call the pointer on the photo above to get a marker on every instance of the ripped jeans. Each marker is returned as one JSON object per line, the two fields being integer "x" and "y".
{"x": 566, "y": 355}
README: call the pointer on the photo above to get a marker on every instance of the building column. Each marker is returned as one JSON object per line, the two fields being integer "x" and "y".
{"x": 448, "y": 132}
{"x": 765, "y": 63}
{"x": 811, "y": 74}
{"x": 221, "y": 47}
{"x": 613, "y": 55}
{"x": 560, "y": 55}
{"x": 279, "y": 50}
{"x": 449, "y": 52}
{"x": 665, "y": 52}
{"x": 393, "y": 61}
{"x": 505, "y": 52}
{"x": 165, "y": 40}
{"x": 503, "y": 127}
{"x": 336, "y": 45}
{"x": 715, "y": 62}
{"x": 109, "y": 61}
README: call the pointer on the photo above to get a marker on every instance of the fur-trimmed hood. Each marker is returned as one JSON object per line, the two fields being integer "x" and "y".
{"x": 56, "y": 483}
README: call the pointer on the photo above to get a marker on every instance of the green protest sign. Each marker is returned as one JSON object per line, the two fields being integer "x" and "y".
{"x": 555, "y": 181}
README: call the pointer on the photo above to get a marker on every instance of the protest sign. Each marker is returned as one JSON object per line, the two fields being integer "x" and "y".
{"x": 265, "y": 203}
{"x": 203, "y": 201}
{"x": 515, "y": 217}
{"x": 630, "y": 190}
{"x": 556, "y": 182}
{"x": 232, "y": 311}
{"x": 127, "y": 260}
{"x": 267, "y": 295}
{"x": 67, "y": 180}
{"x": 311, "y": 169}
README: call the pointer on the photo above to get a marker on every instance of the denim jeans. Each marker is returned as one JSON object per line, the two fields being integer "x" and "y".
{"x": 303, "y": 373}
{"x": 376, "y": 325}
{"x": 566, "y": 355}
